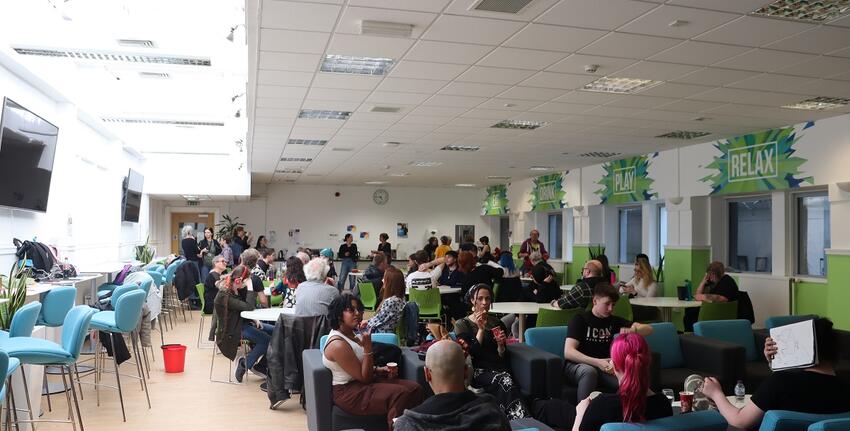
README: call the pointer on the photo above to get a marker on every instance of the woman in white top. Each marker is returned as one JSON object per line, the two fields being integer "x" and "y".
{"x": 642, "y": 284}
{"x": 357, "y": 389}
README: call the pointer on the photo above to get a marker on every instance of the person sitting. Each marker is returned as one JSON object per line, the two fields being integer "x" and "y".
{"x": 581, "y": 294}
{"x": 445, "y": 246}
{"x": 716, "y": 286}
{"x": 328, "y": 255}
{"x": 356, "y": 388}
{"x": 412, "y": 266}
{"x": 485, "y": 335}
{"x": 428, "y": 272}
{"x": 587, "y": 348}
{"x": 607, "y": 272}
{"x": 453, "y": 407}
{"x": 303, "y": 256}
{"x": 210, "y": 288}
{"x": 642, "y": 283}
{"x": 544, "y": 287}
{"x": 231, "y": 328}
{"x": 449, "y": 274}
{"x": 481, "y": 274}
{"x": 431, "y": 247}
{"x": 226, "y": 250}
{"x": 485, "y": 254}
{"x": 249, "y": 259}
{"x": 375, "y": 272}
{"x": 634, "y": 401}
{"x": 506, "y": 261}
{"x": 314, "y": 295}
{"x": 815, "y": 389}
{"x": 267, "y": 255}
{"x": 293, "y": 277}
{"x": 468, "y": 244}
{"x": 389, "y": 312}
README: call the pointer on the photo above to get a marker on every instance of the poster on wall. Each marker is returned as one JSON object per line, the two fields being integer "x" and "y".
{"x": 351, "y": 228}
{"x": 626, "y": 181}
{"x": 547, "y": 192}
{"x": 401, "y": 230}
{"x": 364, "y": 235}
{"x": 758, "y": 162}
{"x": 496, "y": 202}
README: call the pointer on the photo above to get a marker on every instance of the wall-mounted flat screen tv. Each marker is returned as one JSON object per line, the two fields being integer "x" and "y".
{"x": 27, "y": 149}
{"x": 132, "y": 198}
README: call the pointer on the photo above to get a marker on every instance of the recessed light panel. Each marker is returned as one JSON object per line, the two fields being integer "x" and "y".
{"x": 498, "y": 177}
{"x": 296, "y": 159}
{"x": 620, "y": 85}
{"x": 357, "y": 65}
{"x": 541, "y": 168}
{"x": 319, "y": 114}
{"x": 375, "y": 183}
{"x": 598, "y": 155}
{"x": 464, "y": 185}
{"x": 819, "y": 103}
{"x": 289, "y": 171}
{"x": 425, "y": 164}
{"x": 805, "y": 10}
{"x": 318, "y": 142}
{"x": 460, "y": 148}
{"x": 399, "y": 174}
{"x": 683, "y": 134}
{"x": 519, "y": 124}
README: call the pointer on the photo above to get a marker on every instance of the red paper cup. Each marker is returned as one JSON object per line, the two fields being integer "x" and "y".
{"x": 687, "y": 401}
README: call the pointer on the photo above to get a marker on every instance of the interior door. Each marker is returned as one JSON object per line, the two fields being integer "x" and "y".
{"x": 199, "y": 221}
{"x": 464, "y": 232}
{"x": 504, "y": 233}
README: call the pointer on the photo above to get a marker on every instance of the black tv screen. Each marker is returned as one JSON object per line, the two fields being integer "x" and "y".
{"x": 132, "y": 199}
{"x": 27, "y": 148}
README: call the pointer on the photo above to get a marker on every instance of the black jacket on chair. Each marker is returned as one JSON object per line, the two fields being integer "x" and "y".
{"x": 185, "y": 279}
{"x": 292, "y": 335}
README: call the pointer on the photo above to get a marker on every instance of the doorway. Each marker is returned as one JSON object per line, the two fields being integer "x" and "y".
{"x": 504, "y": 233}
{"x": 464, "y": 233}
{"x": 199, "y": 221}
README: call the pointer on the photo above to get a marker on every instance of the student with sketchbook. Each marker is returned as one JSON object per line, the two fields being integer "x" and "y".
{"x": 814, "y": 389}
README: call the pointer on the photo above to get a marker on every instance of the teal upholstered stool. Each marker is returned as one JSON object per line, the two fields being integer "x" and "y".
{"x": 55, "y": 305}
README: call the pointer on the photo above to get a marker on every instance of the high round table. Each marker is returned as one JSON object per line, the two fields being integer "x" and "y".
{"x": 520, "y": 309}
{"x": 665, "y": 304}
{"x": 266, "y": 314}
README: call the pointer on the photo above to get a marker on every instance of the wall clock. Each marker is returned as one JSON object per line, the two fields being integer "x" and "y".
{"x": 380, "y": 196}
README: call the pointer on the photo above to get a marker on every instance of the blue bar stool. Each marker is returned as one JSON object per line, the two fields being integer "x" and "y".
{"x": 7, "y": 367}
{"x": 125, "y": 318}
{"x": 54, "y": 307}
{"x": 23, "y": 323}
{"x": 38, "y": 351}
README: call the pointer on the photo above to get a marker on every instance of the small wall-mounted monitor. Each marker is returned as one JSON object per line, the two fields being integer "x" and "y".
{"x": 131, "y": 202}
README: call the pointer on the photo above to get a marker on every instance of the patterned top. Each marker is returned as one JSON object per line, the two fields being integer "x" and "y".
{"x": 389, "y": 315}
{"x": 580, "y": 295}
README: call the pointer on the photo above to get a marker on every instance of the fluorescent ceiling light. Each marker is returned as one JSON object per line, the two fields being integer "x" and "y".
{"x": 598, "y": 154}
{"x": 123, "y": 57}
{"x": 805, "y": 10}
{"x": 399, "y": 174}
{"x": 357, "y": 65}
{"x": 498, "y": 177}
{"x": 375, "y": 183}
{"x": 683, "y": 134}
{"x": 318, "y": 142}
{"x": 342, "y": 149}
{"x": 384, "y": 28}
{"x": 520, "y": 124}
{"x": 819, "y": 103}
{"x": 460, "y": 148}
{"x": 289, "y": 171}
{"x": 464, "y": 185}
{"x": 125, "y": 120}
{"x": 319, "y": 114}
{"x": 619, "y": 85}
{"x": 425, "y": 164}
{"x": 391, "y": 144}
{"x": 296, "y": 159}
{"x": 541, "y": 168}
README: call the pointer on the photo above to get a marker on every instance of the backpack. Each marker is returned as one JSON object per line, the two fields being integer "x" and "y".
{"x": 40, "y": 254}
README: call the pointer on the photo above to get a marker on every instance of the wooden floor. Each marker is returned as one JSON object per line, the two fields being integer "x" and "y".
{"x": 186, "y": 400}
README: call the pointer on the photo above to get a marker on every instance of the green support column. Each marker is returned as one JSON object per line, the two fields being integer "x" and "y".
{"x": 684, "y": 263}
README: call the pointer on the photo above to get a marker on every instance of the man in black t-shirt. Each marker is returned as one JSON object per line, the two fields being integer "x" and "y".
{"x": 587, "y": 349}
{"x": 811, "y": 390}
{"x": 716, "y": 286}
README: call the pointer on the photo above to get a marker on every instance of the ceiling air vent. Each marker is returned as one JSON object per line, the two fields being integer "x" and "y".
{"x": 683, "y": 134}
{"x": 123, "y": 57}
{"x": 137, "y": 43}
{"x": 598, "y": 155}
{"x": 125, "y": 120}
{"x": 389, "y": 109}
{"x": 342, "y": 149}
{"x": 503, "y": 6}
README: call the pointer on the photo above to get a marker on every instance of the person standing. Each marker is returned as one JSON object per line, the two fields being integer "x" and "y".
{"x": 212, "y": 248}
{"x": 262, "y": 243}
{"x": 384, "y": 247}
{"x": 191, "y": 251}
{"x": 348, "y": 257}
{"x": 431, "y": 247}
{"x": 529, "y": 246}
{"x": 238, "y": 244}
{"x": 445, "y": 246}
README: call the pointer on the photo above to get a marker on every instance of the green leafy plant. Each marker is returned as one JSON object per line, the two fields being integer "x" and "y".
{"x": 144, "y": 253}
{"x": 13, "y": 288}
{"x": 659, "y": 272}
{"x": 595, "y": 251}
{"x": 227, "y": 225}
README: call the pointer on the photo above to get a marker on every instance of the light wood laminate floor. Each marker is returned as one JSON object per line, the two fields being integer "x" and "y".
{"x": 185, "y": 401}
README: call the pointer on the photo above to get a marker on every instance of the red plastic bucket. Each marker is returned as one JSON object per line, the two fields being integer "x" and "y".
{"x": 174, "y": 357}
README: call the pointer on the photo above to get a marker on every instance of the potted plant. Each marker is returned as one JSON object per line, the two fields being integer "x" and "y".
{"x": 13, "y": 288}
{"x": 595, "y": 251}
{"x": 659, "y": 274}
{"x": 144, "y": 253}
{"x": 227, "y": 225}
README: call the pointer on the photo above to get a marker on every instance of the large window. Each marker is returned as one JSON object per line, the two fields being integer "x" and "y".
{"x": 556, "y": 230}
{"x": 812, "y": 233}
{"x": 662, "y": 228}
{"x": 750, "y": 234}
{"x": 630, "y": 229}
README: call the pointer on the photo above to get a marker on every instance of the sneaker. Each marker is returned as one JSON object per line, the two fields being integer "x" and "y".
{"x": 240, "y": 370}
{"x": 279, "y": 403}
{"x": 264, "y": 386}
{"x": 260, "y": 370}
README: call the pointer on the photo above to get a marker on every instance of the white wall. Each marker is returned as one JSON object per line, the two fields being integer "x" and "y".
{"x": 83, "y": 215}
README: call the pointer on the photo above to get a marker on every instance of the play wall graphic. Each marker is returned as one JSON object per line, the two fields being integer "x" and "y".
{"x": 757, "y": 162}
{"x": 626, "y": 180}
{"x": 547, "y": 192}
{"x": 496, "y": 202}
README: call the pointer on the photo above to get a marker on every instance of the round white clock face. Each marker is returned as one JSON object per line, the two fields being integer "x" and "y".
{"x": 380, "y": 196}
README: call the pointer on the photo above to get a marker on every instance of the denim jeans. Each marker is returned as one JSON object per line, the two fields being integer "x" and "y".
{"x": 345, "y": 267}
{"x": 260, "y": 338}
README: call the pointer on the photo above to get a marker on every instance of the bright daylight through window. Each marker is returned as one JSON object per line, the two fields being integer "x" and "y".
{"x": 812, "y": 233}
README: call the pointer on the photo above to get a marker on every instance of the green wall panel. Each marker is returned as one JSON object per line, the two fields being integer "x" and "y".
{"x": 810, "y": 298}
{"x": 838, "y": 293}
{"x": 681, "y": 264}
{"x": 581, "y": 254}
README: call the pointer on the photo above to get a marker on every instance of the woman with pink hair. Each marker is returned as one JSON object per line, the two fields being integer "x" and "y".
{"x": 634, "y": 401}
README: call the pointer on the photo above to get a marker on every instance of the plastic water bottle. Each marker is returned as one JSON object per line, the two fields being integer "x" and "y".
{"x": 688, "y": 295}
{"x": 740, "y": 391}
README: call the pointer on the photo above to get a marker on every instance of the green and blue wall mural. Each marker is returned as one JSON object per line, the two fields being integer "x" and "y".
{"x": 496, "y": 202}
{"x": 757, "y": 162}
{"x": 626, "y": 181}
{"x": 547, "y": 192}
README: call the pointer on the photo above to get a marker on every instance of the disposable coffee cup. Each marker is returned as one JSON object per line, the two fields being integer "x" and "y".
{"x": 392, "y": 367}
{"x": 687, "y": 400}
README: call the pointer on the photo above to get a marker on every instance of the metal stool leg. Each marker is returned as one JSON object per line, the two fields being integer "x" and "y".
{"x": 27, "y": 395}
{"x": 117, "y": 376}
{"x": 68, "y": 399}
{"x": 141, "y": 373}
{"x": 46, "y": 389}
{"x": 74, "y": 394}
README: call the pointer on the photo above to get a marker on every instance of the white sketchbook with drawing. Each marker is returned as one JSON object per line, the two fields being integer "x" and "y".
{"x": 797, "y": 346}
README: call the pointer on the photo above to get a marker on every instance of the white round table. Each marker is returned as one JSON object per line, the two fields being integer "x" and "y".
{"x": 266, "y": 314}
{"x": 520, "y": 309}
{"x": 665, "y": 304}
{"x": 354, "y": 278}
{"x": 444, "y": 290}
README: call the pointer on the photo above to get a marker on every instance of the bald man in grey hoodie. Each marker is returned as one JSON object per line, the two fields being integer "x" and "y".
{"x": 453, "y": 407}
